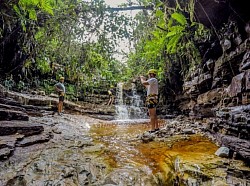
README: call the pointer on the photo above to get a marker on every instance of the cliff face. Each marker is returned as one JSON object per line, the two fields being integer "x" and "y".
{"x": 220, "y": 87}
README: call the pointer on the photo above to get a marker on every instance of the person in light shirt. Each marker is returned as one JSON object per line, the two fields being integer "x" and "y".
{"x": 60, "y": 89}
{"x": 151, "y": 85}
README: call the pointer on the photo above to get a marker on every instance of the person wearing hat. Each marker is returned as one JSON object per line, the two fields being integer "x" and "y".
{"x": 111, "y": 93}
{"x": 60, "y": 89}
{"x": 151, "y": 85}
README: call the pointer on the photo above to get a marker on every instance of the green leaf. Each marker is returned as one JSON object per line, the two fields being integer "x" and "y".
{"x": 16, "y": 10}
{"x": 39, "y": 34}
{"x": 32, "y": 14}
{"x": 172, "y": 33}
{"x": 23, "y": 25}
{"x": 180, "y": 18}
{"x": 177, "y": 28}
{"x": 45, "y": 5}
{"x": 159, "y": 13}
{"x": 172, "y": 44}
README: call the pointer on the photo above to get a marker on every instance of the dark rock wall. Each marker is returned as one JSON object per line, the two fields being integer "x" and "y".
{"x": 220, "y": 86}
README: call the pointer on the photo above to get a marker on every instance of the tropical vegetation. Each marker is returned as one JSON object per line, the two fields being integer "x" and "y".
{"x": 44, "y": 39}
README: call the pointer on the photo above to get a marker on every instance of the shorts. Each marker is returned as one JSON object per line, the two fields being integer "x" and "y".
{"x": 152, "y": 101}
{"x": 61, "y": 96}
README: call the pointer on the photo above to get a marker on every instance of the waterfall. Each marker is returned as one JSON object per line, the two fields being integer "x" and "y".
{"x": 120, "y": 107}
{"x": 132, "y": 108}
{"x": 136, "y": 105}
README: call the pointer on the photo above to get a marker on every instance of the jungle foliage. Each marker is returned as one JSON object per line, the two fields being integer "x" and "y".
{"x": 44, "y": 39}
{"x": 170, "y": 35}
{"x": 48, "y": 38}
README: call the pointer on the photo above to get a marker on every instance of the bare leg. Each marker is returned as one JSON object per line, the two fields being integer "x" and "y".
{"x": 153, "y": 119}
{"x": 109, "y": 101}
{"x": 156, "y": 122}
{"x": 60, "y": 106}
{"x": 112, "y": 100}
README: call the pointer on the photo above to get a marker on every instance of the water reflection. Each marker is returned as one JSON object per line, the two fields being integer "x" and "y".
{"x": 179, "y": 160}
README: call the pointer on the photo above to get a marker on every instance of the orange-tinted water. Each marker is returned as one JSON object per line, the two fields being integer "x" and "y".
{"x": 123, "y": 148}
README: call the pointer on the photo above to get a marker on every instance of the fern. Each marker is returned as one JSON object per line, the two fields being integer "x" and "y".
{"x": 180, "y": 18}
{"x": 175, "y": 30}
{"x": 46, "y": 6}
{"x": 32, "y": 14}
{"x": 172, "y": 44}
{"x": 31, "y": 5}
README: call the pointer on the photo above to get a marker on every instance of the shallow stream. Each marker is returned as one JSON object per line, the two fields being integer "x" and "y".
{"x": 176, "y": 160}
{"x": 87, "y": 151}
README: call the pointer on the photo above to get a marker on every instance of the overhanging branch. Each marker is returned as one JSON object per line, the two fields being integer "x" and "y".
{"x": 130, "y": 8}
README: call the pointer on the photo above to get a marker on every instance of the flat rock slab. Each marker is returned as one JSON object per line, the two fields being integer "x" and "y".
{"x": 41, "y": 138}
{"x": 5, "y": 152}
{"x": 241, "y": 146}
{"x": 9, "y": 107}
{"x": 6, "y": 114}
{"x": 20, "y": 127}
{"x": 10, "y": 140}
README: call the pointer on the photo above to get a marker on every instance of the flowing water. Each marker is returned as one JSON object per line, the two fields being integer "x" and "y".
{"x": 129, "y": 106}
{"x": 178, "y": 160}
{"x": 86, "y": 151}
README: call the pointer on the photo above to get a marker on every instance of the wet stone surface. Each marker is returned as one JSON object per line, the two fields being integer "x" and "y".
{"x": 86, "y": 151}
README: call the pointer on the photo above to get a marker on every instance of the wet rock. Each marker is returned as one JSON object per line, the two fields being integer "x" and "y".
{"x": 17, "y": 181}
{"x": 226, "y": 44}
{"x": 5, "y": 153}
{"x": 127, "y": 177}
{"x": 8, "y": 101}
{"x": 95, "y": 148}
{"x": 13, "y": 115}
{"x": 68, "y": 172}
{"x": 222, "y": 152}
{"x": 91, "y": 171}
{"x": 104, "y": 117}
{"x": 9, "y": 107}
{"x": 240, "y": 146}
{"x": 168, "y": 116}
{"x": 20, "y": 127}
{"x": 10, "y": 140}
{"x": 147, "y": 137}
{"x": 210, "y": 97}
{"x": 56, "y": 130}
{"x": 220, "y": 183}
{"x": 42, "y": 93}
{"x": 245, "y": 64}
{"x": 236, "y": 85}
{"x": 109, "y": 182}
{"x": 210, "y": 65}
{"x": 53, "y": 95}
{"x": 32, "y": 108}
{"x": 41, "y": 138}
{"x": 188, "y": 131}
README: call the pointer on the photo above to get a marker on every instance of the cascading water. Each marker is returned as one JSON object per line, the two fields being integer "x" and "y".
{"x": 136, "y": 110}
{"x": 120, "y": 107}
{"x": 132, "y": 109}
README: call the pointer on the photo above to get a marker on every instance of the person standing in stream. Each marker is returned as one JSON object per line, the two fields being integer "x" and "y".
{"x": 152, "y": 97}
{"x": 60, "y": 89}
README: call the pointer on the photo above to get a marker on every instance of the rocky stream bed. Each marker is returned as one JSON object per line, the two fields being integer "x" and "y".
{"x": 38, "y": 147}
